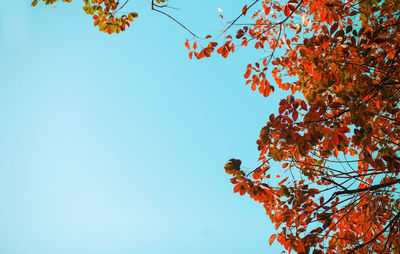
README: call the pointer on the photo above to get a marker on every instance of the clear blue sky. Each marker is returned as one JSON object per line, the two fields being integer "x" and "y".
{"x": 116, "y": 144}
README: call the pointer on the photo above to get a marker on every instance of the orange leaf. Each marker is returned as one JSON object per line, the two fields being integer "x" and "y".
{"x": 206, "y": 52}
{"x": 187, "y": 44}
{"x": 244, "y": 10}
{"x": 272, "y": 239}
{"x": 286, "y": 11}
{"x": 267, "y": 10}
{"x": 267, "y": 91}
{"x": 283, "y": 180}
{"x": 248, "y": 73}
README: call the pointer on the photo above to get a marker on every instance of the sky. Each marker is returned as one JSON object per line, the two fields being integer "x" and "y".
{"x": 116, "y": 144}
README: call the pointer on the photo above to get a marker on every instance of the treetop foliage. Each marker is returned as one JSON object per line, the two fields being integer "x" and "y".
{"x": 105, "y": 14}
{"x": 337, "y": 136}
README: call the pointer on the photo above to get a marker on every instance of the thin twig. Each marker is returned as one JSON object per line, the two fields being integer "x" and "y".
{"x": 169, "y": 16}
{"x": 242, "y": 14}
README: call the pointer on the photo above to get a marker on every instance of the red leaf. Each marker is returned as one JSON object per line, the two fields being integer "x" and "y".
{"x": 266, "y": 10}
{"x": 206, "y": 52}
{"x": 236, "y": 188}
{"x": 187, "y": 44}
{"x": 248, "y": 73}
{"x": 267, "y": 91}
{"x": 286, "y": 11}
{"x": 283, "y": 180}
{"x": 303, "y": 105}
{"x": 244, "y": 10}
{"x": 295, "y": 115}
{"x": 272, "y": 239}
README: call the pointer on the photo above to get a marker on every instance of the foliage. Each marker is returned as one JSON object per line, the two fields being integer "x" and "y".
{"x": 338, "y": 139}
{"x": 105, "y": 14}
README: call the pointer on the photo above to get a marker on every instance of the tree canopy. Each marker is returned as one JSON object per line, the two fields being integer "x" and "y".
{"x": 335, "y": 138}
{"x": 337, "y": 134}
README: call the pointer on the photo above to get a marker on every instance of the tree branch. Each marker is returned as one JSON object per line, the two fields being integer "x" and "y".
{"x": 371, "y": 188}
{"x": 169, "y": 16}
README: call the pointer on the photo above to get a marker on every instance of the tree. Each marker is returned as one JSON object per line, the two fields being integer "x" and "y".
{"x": 336, "y": 138}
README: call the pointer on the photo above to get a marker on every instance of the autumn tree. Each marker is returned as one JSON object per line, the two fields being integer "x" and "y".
{"x": 335, "y": 141}
{"x": 337, "y": 135}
